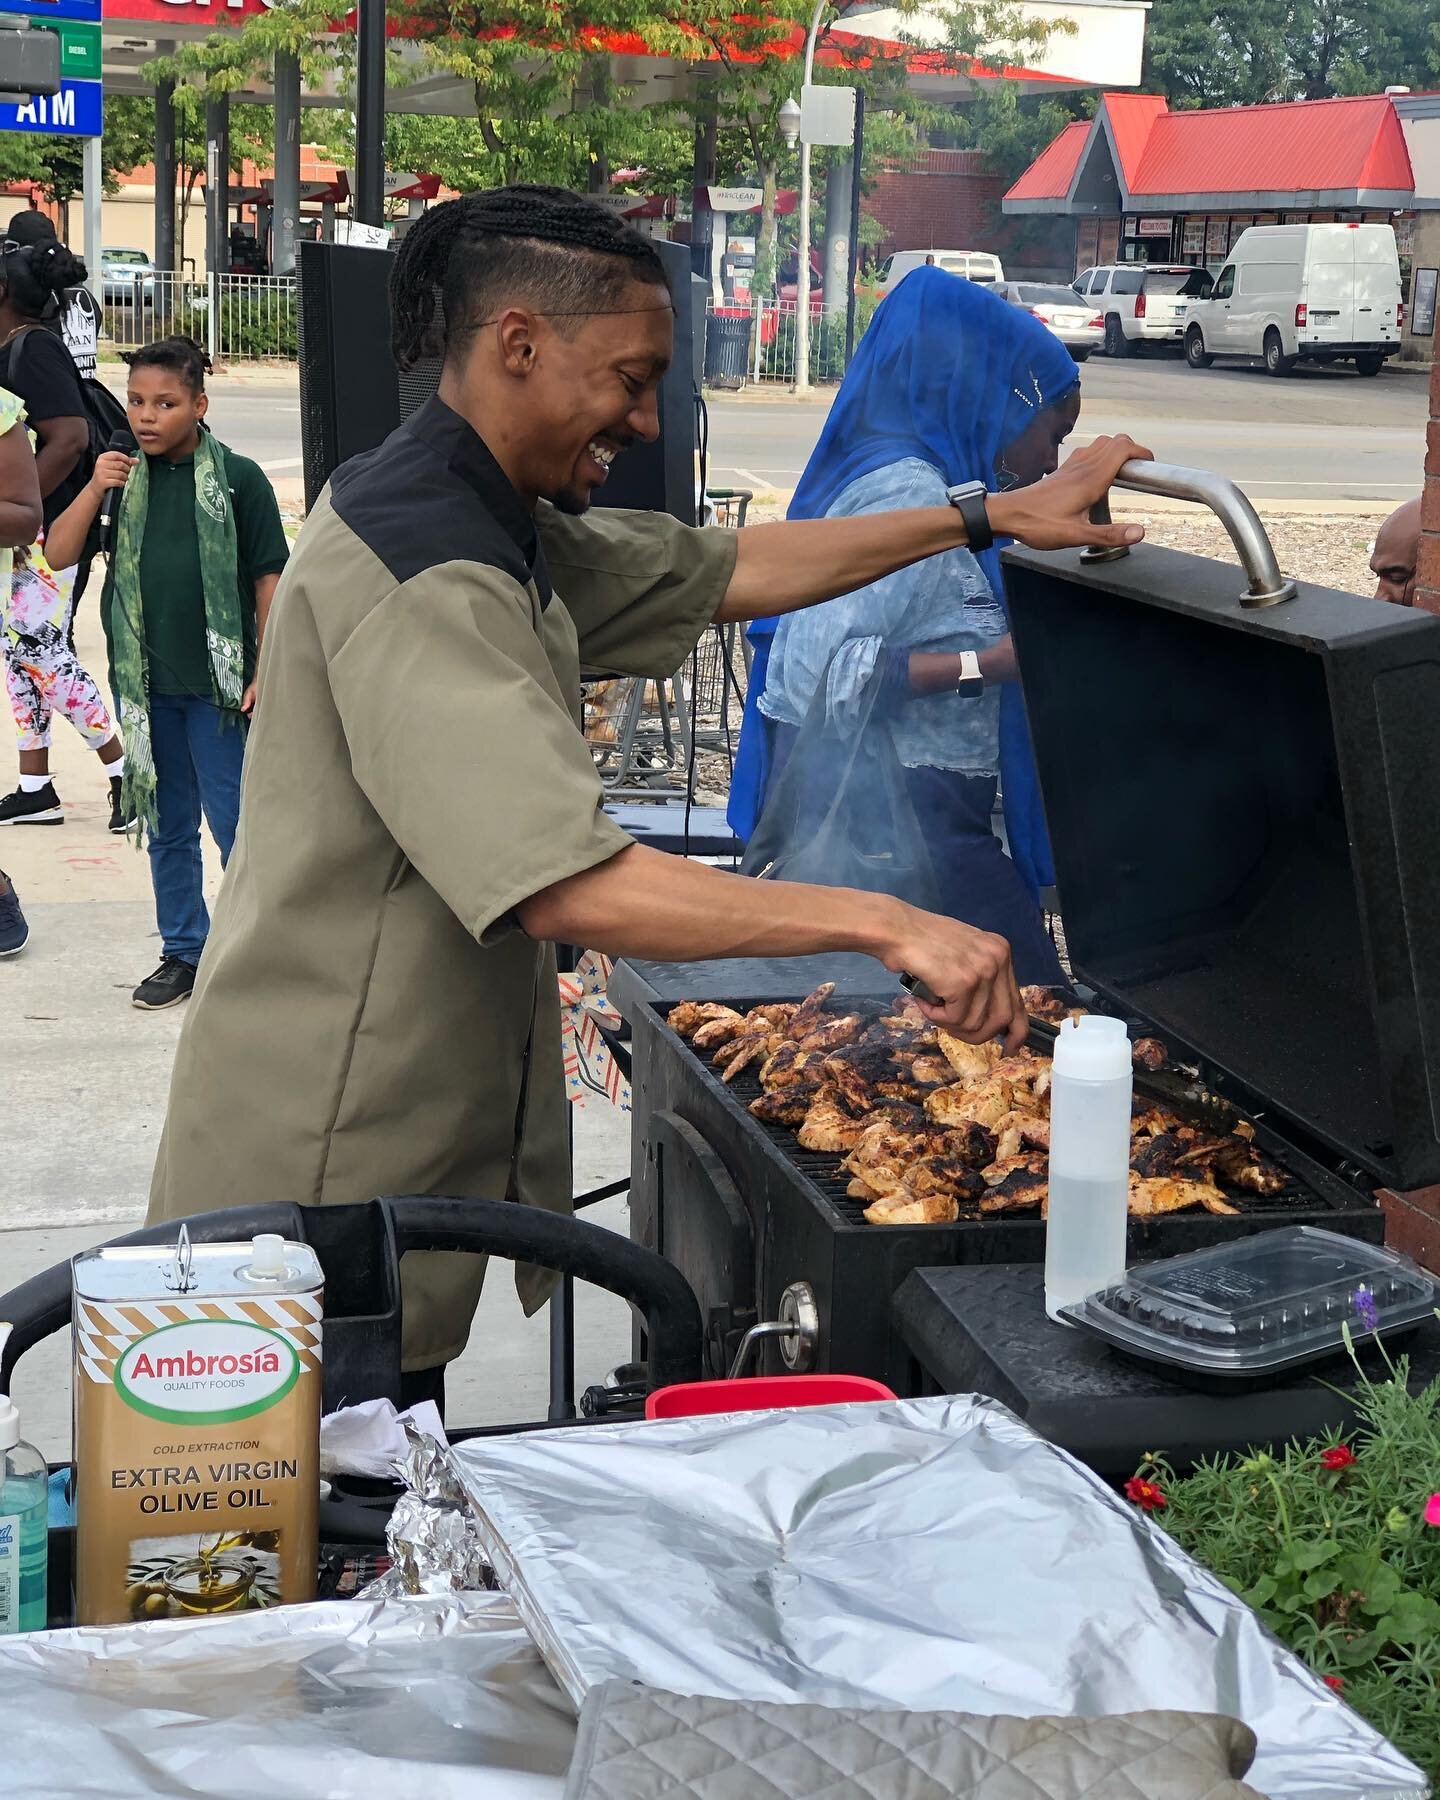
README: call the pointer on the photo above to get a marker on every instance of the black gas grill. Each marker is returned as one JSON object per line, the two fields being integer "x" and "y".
{"x": 1244, "y": 805}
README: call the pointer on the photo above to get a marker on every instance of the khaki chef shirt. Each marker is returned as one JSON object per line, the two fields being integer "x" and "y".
{"x": 369, "y": 1018}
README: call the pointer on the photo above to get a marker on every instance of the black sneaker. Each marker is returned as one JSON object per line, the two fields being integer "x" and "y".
{"x": 13, "y": 929}
{"x": 42, "y": 808}
{"x": 120, "y": 819}
{"x": 168, "y": 986}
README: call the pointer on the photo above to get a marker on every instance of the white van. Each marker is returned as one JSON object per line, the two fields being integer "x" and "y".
{"x": 976, "y": 265}
{"x": 1321, "y": 292}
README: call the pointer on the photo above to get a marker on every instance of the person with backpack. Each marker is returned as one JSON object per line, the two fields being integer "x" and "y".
{"x": 43, "y": 674}
{"x": 74, "y": 314}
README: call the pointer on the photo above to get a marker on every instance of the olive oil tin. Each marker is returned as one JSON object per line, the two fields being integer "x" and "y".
{"x": 197, "y": 1384}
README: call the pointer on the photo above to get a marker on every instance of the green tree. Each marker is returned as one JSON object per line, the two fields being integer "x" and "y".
{"x": 55, "y": 165}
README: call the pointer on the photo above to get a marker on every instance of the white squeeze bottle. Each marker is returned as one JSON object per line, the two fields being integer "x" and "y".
{"x": 24, "y": 1516}
{"x": 1089, "y": 1160}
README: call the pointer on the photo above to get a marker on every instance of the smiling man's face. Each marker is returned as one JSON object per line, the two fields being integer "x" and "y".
{"x": 591, "y": 393}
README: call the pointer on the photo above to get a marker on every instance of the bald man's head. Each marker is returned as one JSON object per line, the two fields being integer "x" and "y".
{"x": 1396, "y": 552}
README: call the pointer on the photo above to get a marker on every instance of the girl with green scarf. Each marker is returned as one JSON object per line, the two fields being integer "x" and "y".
{"x": 196, "y": 551}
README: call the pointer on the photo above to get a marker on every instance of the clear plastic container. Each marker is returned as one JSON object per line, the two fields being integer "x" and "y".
{"x": 1258, "y": 1307}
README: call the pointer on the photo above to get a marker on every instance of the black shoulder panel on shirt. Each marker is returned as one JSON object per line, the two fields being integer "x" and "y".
{"x": 432, "y": 494}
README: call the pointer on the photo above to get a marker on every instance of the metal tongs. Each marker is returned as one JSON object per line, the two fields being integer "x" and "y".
{"x": 1268, "y": 587}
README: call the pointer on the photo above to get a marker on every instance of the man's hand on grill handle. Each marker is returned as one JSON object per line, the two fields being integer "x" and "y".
{"x": 970, "y": 973}
{"x": 1054, "y": 514}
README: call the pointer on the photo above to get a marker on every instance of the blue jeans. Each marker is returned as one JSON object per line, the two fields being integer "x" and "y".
{"x": 197, "y": 765}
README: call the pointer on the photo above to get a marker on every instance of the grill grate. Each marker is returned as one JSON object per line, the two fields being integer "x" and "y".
{"x": 828, "y": 1176}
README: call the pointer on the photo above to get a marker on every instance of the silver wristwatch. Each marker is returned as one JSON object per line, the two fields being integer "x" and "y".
{"x": 971, "y": 684}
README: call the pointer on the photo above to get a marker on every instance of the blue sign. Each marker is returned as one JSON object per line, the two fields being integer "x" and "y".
{"x": 76, "y": 11}
{"x": 76, "y": 111}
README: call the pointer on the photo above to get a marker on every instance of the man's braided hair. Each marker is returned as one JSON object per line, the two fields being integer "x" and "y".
{"x": 542, "y": 247}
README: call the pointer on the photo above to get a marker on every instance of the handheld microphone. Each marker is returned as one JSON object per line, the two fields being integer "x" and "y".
{"x": 124, "y": 441}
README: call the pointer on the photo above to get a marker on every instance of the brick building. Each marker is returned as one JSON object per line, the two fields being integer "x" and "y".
{"x": 950, "y": 200}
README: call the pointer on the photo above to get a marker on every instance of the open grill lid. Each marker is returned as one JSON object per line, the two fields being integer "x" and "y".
{"x": 1244, "y": 808}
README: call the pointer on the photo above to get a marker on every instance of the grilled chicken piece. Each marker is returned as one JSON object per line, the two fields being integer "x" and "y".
{"x": 971, "y": 1062}
{"x": 740, "y": 1052}
{"x": 983, "y": 1102}
{"x": 786, "y": 1105}
{"x": 1149, "y": 1053}
{"x": 950, "y": 1175}
{"x": 1157, "y": 1156}
{"x": 931, "y": 1071}
{"x": 901, "y": 1208}
{"x": 884, "y": 1141}
{"x": 861, "y": 1190}
{"x": 808, "y": 1014}
{"x": 1018, "y": 1132}
{"x": 829, "y": 1125}
{"x": 1015, "y": 1184}
{"x": 788, "y": 1065}
{"x": 830, "y": 1034}
{"x": 1050, "y": 1004}
{"x": 1148, "y": 1120}
{"x": 1240, "y": 1165}
{"x": 1029, "y": 1077}
{"x": 690, "y": 1015}
{"x": 715, "y": 1032}
{"x": 1151, "y": 1197}
{"x": 899, "y": 1089}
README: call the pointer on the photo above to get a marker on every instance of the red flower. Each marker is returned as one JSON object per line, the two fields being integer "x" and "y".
{"x": 1146, "y": 1494}
{"x": 1337, "y": 1682}
{"x": 1340, "y": 1457}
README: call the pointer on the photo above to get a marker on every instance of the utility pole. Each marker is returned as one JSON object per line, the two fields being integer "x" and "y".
{"x": 802, "y": 281}
{"x": 369, "y": 196}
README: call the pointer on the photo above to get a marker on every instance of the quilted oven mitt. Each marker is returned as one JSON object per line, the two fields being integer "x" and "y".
{"x": 639, "y": 1743}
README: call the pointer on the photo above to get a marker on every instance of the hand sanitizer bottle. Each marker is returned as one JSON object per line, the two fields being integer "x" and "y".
{"x": 24, "y": 1514}
{"x": 1089, "y": 1160}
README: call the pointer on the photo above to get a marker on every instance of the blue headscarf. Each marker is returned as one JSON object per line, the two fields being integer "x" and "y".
{"x": 950, "y": 373}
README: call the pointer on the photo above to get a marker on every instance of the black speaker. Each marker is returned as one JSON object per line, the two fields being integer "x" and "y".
{"x": 352, "y": 396}
{"x": 349, "y": 398}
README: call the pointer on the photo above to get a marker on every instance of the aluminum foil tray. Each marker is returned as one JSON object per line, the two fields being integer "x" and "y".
{"x": 434, "y": 1698}
{"x": 927, "y": 1554}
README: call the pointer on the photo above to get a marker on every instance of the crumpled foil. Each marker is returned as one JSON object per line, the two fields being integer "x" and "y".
{"x": 441, "y": 1698}
{"x": 929, "y": 1554}
{"x": 433, "y": 1535}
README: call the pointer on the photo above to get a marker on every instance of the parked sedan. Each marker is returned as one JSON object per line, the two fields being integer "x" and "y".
{"x": 1077, "y": 325}
{"x": 127, "y": 278}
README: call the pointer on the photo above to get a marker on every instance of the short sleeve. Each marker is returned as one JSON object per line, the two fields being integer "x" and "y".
{"x": 462, "y": 741}
{"x": 43, "y": 374}
{"x": 260, "y": 535}
{"x": 12, "y": 411}
{"x": 641, "y": 587}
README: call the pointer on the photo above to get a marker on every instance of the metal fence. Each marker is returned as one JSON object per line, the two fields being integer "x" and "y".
{"x": 756, "y": 341}
{"x": 238, "y": 318}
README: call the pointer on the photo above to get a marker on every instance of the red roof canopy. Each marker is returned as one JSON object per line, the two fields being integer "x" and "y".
{"x": 1347, "y": 149}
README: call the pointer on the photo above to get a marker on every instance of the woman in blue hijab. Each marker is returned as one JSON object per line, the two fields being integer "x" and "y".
{"x": 950, "y": 384}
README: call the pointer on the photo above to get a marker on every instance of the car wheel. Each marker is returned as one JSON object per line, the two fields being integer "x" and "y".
{"x": 1276, "y": 361}
{"x": 1196, "y": 354}
{"x": 1116, "y": 342}
{"x": 1079, "y": 356}
{"x": 1369, "y": 365}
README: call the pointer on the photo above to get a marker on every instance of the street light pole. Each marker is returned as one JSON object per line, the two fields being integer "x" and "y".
{"x": 802, "y": 282}
{"x": 369, "y": 197}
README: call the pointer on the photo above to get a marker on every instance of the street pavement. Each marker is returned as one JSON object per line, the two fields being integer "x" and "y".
{"x": 1320, "y": 435}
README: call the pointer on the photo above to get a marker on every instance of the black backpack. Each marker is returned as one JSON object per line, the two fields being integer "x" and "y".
{"x": 104, "y": 414}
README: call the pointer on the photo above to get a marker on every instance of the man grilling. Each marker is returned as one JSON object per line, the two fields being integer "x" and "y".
{"x": 376, "y": 1010}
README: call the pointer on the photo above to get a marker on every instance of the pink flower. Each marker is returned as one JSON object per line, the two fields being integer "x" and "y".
{"x": 1432, "y": 1510}
{"x": 1339, "y": 1457}
{"x": 1148, "y": 1496}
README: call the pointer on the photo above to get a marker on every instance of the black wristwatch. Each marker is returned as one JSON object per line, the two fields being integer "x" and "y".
{"x": 968, "y": 499}
{"x": 971, "y": 684}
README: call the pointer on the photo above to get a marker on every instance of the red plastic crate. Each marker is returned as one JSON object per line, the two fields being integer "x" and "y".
{"x": 760, "y": 1393}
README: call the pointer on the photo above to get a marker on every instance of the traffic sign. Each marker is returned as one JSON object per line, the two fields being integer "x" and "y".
{"x": 76, "y": 111}
{"x": 80, "y": 58}
{"x": 81, "y": 11}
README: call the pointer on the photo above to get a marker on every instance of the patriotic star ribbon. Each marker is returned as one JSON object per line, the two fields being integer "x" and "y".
{"x": 591, "y": 1072}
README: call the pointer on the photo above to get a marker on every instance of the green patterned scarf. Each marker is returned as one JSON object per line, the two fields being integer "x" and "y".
{"x": 219, "y": 572}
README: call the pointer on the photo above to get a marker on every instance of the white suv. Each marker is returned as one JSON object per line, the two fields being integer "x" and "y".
{"x": 1142, "y": 303}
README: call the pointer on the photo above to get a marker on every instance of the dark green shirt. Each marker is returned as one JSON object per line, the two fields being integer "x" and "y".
{"x": 171, "y": 590}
